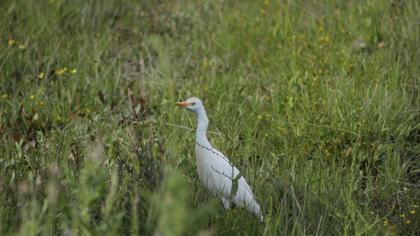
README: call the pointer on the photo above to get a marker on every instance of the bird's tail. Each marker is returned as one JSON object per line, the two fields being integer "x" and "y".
{"x": 255, "y": 208}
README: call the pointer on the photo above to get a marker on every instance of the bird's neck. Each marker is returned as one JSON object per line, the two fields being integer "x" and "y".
{"x": 202, "y": 124}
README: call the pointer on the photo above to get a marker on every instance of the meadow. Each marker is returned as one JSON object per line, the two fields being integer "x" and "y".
{"x": 316, "y": 102}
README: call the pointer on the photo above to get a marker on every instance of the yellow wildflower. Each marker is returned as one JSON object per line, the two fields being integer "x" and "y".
{"x": 407, "y": 222}
{"x": 325, "y": 39}
{"x": 73, "y": 71}
{"x": 205, "y": 64}
{"x": 22, "y": 46}
{"x": 61, "y": 72}
{"x": 386, "y": 222}
{"x": 402, "y": 215}
{"x": 41, "y": 76}
{"x": 413, "y": 211}
{"x": 4, "y": 96}
{"x": 11, "y": 42}
{"x": 32, "y": 97}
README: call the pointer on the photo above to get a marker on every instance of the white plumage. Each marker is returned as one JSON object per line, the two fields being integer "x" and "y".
{"x": 216, "y": 172}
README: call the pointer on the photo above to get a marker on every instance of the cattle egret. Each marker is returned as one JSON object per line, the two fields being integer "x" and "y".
{"x": 216, "y": 172}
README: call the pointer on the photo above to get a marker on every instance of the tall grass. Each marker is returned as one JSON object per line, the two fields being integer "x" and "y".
{"x": 316, "y": 102}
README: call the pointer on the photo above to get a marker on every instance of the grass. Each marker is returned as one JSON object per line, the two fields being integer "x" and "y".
{"x": 316, "y": 102}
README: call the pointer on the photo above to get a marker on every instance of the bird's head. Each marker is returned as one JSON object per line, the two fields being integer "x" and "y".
{"x": 193, "y": 104}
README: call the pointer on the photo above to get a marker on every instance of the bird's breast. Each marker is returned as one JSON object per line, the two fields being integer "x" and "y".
{"x": 204, "y": 166}
{"x": 201, "y": 160}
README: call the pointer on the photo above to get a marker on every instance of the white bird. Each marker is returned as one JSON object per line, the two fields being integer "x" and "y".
{"x": 216, "y": 172}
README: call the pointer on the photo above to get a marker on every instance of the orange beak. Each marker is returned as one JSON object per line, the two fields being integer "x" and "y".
{"x": 183, "y": 104}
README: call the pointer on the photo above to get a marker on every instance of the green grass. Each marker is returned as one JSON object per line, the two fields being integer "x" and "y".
{"x": 316, "y": 102}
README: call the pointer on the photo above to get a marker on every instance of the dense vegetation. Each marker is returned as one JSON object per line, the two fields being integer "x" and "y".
{"x": 317, "y": 102}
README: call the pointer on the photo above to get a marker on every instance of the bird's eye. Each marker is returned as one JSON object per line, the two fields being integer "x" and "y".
{"x": 193, "y": 103}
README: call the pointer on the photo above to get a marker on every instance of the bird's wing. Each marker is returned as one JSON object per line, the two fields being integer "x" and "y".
{"x": 225, "y": 173}
{"x": 221, "y": 164}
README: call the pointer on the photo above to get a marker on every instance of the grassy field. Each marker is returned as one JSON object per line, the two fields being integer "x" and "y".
{"x": 317, "y": 102}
